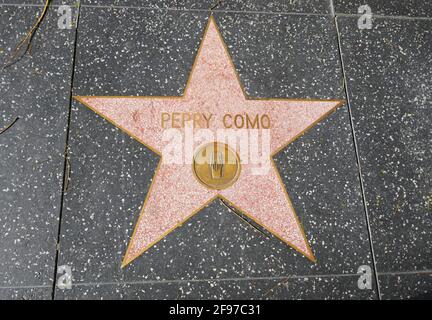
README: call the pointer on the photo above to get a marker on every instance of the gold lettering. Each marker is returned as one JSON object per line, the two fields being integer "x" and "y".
{"x": 165, "y": 118}
{"x": 238, "y": 116}
{"x": 203, "y": 120}
{"x": 186, "y": 117}
{"x": 207, "y": 119}
{"x": 197, "y": 120}
{"x": 265, "y": 121}
{"x": 175, "y": 120}
{"x": 250, "y": 124}
{"x": 224, "y": 122}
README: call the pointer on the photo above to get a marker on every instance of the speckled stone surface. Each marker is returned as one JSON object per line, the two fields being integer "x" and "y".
{"x": 167, "y": 54}
{"x": 284, "y": 6}
{"x": 412, "y": 8}
{"x": 293, "y": 6}
{"x": 170, "y": 4}
{"x": 55, "y": 3}
{"x": 150, "y": 59}
{"x": 415, "y": 286}
{"x": 35, "y": 89}
{"x": 215, "y": 243}
{"x": 319, "y": 288}
{"x": 300, "y": 59}
{"x": 111, "y": 172}
{"x": 391, "y": 103}
{"x": 38, "y": 293}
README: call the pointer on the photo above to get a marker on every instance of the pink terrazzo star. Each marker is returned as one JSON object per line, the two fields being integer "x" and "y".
{"x": 175, "y": 194}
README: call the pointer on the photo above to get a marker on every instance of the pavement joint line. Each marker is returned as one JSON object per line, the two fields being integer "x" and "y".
{"x": 208, "y": 10}
{"x": 374, "y": 16}
{"x": 30, "y": 5}
{"x": 180, "y": 9}
{"x": 211, "y": 280}
{"x": 332, "y": 13}
{"x": 66, "y": 154}
{"x": 356, "y": 151}
{"x": 358, "y": 160}
{"x": 235, "y": 279}
{"x": 332, "y": 10}
{"x": 26, "y": 287}
{"x": 395, "y": 273}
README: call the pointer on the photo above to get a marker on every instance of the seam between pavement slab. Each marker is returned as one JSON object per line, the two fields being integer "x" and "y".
{"x": 420, "y": 272}
{"x": 360, "y": 174}
{"x": 66, "y": 154}
{"x": 331, "y": 14}
{"x": 27, "y": 287}
{"x": 378, "y": 16}
{"x": 283, "y": 278}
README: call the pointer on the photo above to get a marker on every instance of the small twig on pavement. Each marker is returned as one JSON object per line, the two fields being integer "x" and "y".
{"x": 241, "y": 216}
{"x": 24, "y": 45}
{"x": 277, "y": 285}
{"x": 216, "y": 4}
{"x": 9, "y": 126}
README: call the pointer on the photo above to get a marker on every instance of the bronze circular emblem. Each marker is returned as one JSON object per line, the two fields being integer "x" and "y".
{"x": 216, "y": 165}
